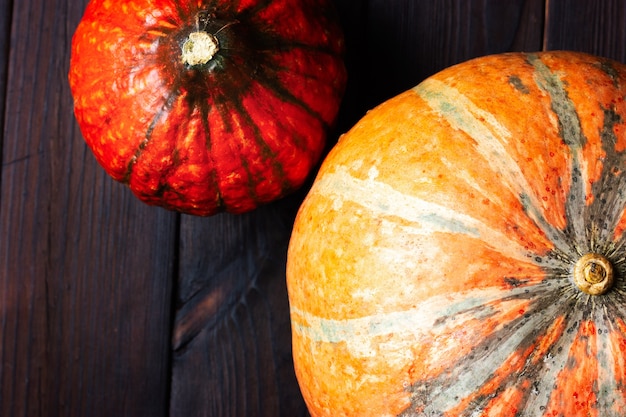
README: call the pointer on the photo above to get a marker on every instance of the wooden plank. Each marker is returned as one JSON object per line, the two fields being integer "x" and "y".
{"x": 407, "y": 40}
{"x": 597, "y": 27}
{"x": 85, "y": 269}
{"x": 6, "y": 10}
{"x": 232, "y": 336}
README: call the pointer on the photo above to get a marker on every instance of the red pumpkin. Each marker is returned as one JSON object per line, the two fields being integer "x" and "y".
{"x": 203, "y": 106}
{"x": 462, "y": 250}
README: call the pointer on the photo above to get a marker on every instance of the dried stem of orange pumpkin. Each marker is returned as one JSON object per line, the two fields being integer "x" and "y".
{"x": 593, "y": 274}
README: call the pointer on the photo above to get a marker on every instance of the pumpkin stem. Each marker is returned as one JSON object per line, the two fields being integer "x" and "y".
{"x": 199, "y": 48}
{"x": 593, "y": 274}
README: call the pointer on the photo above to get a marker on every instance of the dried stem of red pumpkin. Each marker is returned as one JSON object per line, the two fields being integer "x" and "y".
{"x": 593, "y": 274}
{"x": 201, "y": 46}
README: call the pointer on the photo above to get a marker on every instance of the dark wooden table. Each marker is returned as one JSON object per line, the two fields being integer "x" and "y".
{"x": 112, "y": 308}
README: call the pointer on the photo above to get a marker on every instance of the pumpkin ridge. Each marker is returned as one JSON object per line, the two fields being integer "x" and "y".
{"x": 219, "y": 201}
{"x": 557, "y": 236}
{"x": 570, "y": 131}
{"x": 226, "y": 107}
{"x": 162, "y": 112}
{"x": 385, "y": 201}
{"x": 272, "y": 83}
{"x": 452, "y": 389}
{"x": 576, "y": 392}
{"x": 267, "y": 153}
{"x": 353, "y": 331}
{"x": 278, "y": 67}
{"x": 617, "y": 334}
{"x": 610, "y": 391}
{"x": 486, "y": 357}
{"x": 607, "y": 201}
{"x": 298, "y": 140}
{"x": 166, "y": 174}
{"x": 461, "y": 113}
{"x": 609, "y": 69}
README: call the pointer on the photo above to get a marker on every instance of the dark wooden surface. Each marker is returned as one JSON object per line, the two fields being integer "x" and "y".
{"x": 112, "y": 308}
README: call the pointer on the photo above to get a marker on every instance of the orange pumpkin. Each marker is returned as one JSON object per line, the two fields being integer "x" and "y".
{"x": 461, "y": 252}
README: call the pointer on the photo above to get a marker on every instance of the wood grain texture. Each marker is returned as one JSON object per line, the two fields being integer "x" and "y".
{"x": 6, "y": 9}
{"x": 232, "y": 350}
{"x": 89, "y": 325}
{"x": 597, "y": 27}
{"x": 85, "y": 269}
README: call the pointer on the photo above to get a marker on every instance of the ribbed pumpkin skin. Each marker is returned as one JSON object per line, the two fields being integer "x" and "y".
{"x": 430, "y": 267}
{"x": 243, "y": 129}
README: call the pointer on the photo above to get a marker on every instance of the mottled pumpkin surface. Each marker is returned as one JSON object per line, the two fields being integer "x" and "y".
{"x": 430, "y": 271}
{"x": 200, "y": 136}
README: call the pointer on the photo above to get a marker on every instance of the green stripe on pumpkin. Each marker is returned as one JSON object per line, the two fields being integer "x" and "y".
{"x": 491, "y": 139}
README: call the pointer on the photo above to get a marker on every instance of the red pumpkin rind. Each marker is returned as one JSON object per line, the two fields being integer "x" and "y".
{"x": 430, "y": 266}
{"x": 242, "y": 130}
